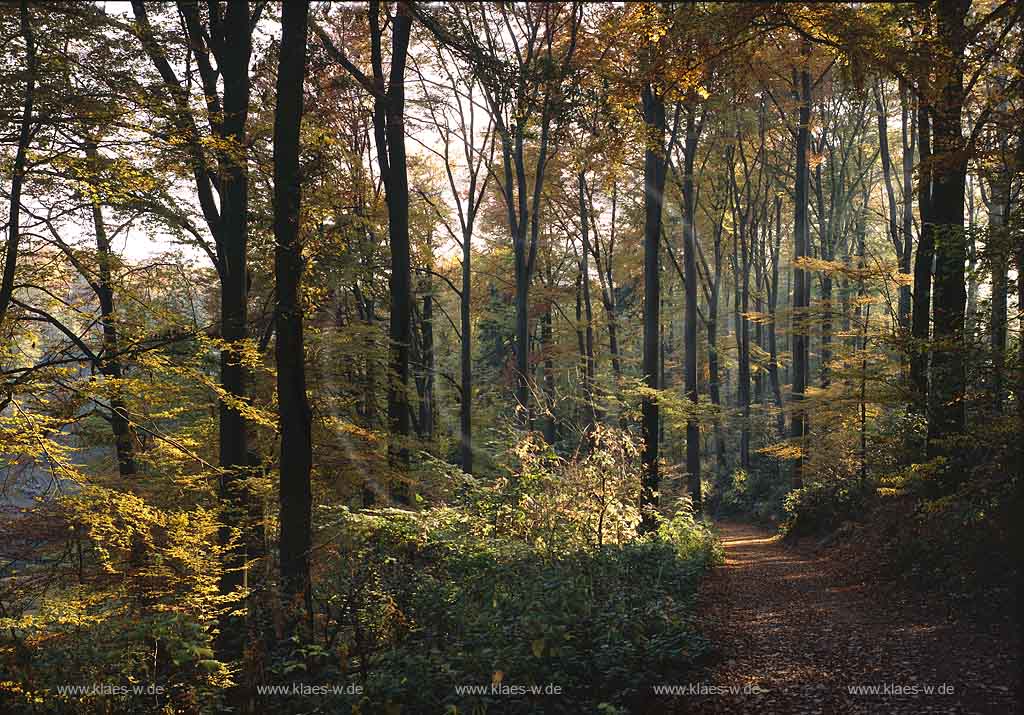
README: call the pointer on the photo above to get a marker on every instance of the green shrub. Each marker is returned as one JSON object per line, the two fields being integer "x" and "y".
{"x": 537, "y": 579}
{"x": 581, "y": 501}
{"x": 119, "y": 594}
{"x": 822, "y": 506}
{"x": 758, "y": 493}
{"x": 418, "y": 605}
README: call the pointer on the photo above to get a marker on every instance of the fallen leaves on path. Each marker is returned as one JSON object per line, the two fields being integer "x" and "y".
{"x": 791, "y": 634}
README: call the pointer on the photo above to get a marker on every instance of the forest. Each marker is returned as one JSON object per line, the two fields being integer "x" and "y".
{"x": 511, "y": 357}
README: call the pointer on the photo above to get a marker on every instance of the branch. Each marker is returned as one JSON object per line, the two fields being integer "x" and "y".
{"x": 338, "y": 56}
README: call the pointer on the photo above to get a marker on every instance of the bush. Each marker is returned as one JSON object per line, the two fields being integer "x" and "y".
{"x": 823, "y": 505}
{"x": 582, "y": 501}
{"x": 961, "y": 544}
{"x": 758, "y": 494}
{"x": 420, "y": 604}
{"x": 110, "y": 592}
{"x": 539, "y": 579}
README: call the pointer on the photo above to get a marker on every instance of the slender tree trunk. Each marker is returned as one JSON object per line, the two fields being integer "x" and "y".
{"x": 293, "y": 404}
{"x": 589, "y": 363}
{"x": 743, "y": 337}
{"x": 466, "y": 358}
{"x": 971, "y": 314}
{"x": 999, "y": 213}
{"x": 581, "y": 341}
{"x": 522, "y": 340}
{"x": 714, "y": 369}
{"x": 1020, "y": 309}
{"x": 548, "y": 366}
{"x": 863, "y": 400}
{"x": 921, "y": 319}
{"x": 654, "y": 196}
{"x": 18, "y": 170}
{"x": 909, "y": 140}
{"x": 427, "y": 407}
{"x": 773, "y": 300}
{"x": 801, "y": 278}
{"x": 604, "y": 258}
{"x": 714, "y": 383}
{"x": 124, "y": 439}
{"x": 760, "y": 281}
{"x": 690, "y": 324}
{"x": 1019, "y": 392}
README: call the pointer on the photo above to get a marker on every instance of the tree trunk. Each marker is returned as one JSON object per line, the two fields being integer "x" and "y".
{"x": 522, "y": 343}
{"x": 909, "y": 140}
{"x": 608, "y": 292}
{"x": 654, "y": 196}
{"x": 760, "y": 281}
{"x": 743, "y": 339}
{"x": 124, "y": 439}
{"x": 826, "y": 228}
{"x": 581, "y": 338}
{"x": 999, "y": 212}
{"x": 289, "y": 350}
{"x": 971, "y": 313}
{"x": 396, "y": 183}
{"x": 18, "y": 170}
{"x": 234, "y": 236}
{"x": 947, "y": 387}
{"x": 923, "y": 259}
{"x": 801, "y": 278}
{"x": 690, "y": 325}
{"x": 589, "y": 363}
{"x": 548, "y": 367}
{"x": 773, "y": 301}
{"x": 466, "y": 357}
{"x": 427, "y": 359}
{"x": 714, "y": 377}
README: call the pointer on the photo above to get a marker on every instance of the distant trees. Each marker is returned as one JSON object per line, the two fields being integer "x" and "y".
{"x": 456, "y": 119}
{"x": 524, "y": 74}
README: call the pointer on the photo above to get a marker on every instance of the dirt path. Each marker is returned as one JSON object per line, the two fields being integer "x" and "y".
{"x": 785, "y": 620}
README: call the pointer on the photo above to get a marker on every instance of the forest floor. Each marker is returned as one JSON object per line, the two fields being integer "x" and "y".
{"x": 796, "y": 632}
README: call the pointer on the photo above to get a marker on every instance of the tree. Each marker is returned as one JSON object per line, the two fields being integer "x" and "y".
{"x": 389, "y": 137}
{"x": 109, "y": 365}
{"x": 947, "y": 384}
{"x": 655, "y": 166}
{"x": 801, "y": 277}
{"x": 522, "y": 72}
{"x": 460, "y": 109}
{"x": 225, "y": 39}
{"x": 690, "y": 138}
{"x": 289, "y": 350}
{"x": 18, "y": 170}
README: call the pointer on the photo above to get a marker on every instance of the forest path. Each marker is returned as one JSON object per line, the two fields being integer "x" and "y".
{"x": 783, "y": 619}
